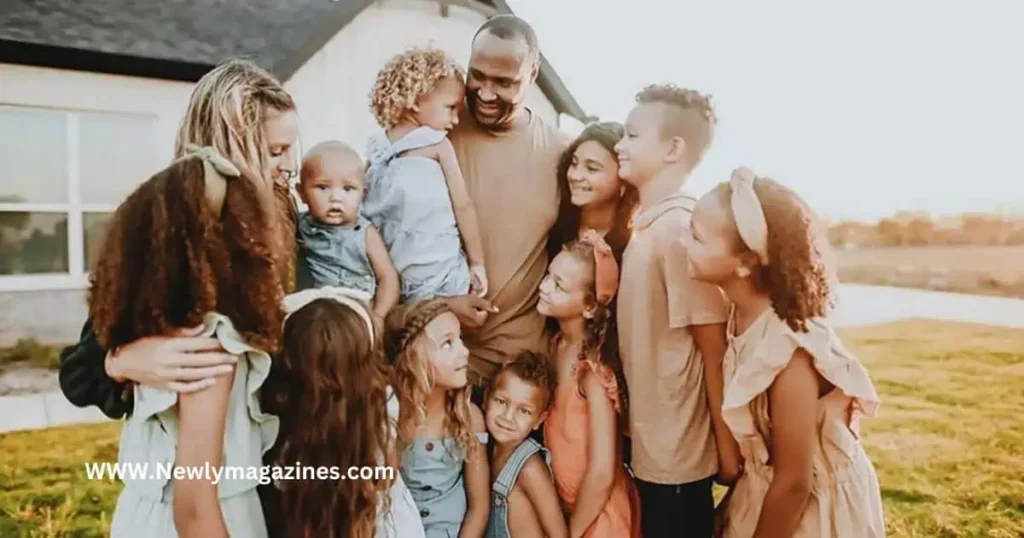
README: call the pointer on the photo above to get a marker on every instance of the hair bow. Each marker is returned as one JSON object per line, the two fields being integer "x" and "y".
{"x": 606, "y": 269}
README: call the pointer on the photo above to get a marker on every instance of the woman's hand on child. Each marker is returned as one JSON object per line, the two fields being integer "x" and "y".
{"x": 472, "y": 310}
{"x": 184, "y": 362}
{"x": 478, "y": 282}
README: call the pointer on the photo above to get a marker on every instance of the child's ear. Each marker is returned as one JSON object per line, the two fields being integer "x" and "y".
{"x": 676, "y": 150}
{"x": 589, "y": 311}
{"x": 540, "y": 420}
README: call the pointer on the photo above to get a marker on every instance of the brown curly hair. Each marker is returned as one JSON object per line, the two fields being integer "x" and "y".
{"x": 404, "y": 344}
{"x": 797, "y": 277}
{"x": 329, "y": 386}
{"x": 531, "y": 368}
{"x": 168, "y": 260}
{"x": 602, "y": 340}
{"x": 226, "y": 111}
{"x": 405, "y": 79}
{"x": 690, "y": 115}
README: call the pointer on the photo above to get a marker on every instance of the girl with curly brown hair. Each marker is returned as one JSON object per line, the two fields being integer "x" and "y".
{"x": 246, "y": 115}
{"x": 192, "y": 247}
{"x": 416, "y": 193}
{"x": 332, "y": 365}
{"x": 583, "y": 426}
{"x": 441, "y": 432}
{"x": 793, "y": 393}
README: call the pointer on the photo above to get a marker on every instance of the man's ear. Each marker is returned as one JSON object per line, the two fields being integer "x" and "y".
{"x": 535, "y": 70}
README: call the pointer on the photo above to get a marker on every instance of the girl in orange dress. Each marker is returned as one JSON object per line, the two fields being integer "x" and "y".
{"x": 582, "y": 430}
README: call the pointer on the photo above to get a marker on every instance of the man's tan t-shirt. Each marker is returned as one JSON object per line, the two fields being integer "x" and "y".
{"x": 512, "y": 178}
{"x": 669, "y": 419}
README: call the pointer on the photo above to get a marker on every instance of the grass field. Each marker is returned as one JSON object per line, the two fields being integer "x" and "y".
{"x": 947, "y": 444}
{"x": 986, "y": 270}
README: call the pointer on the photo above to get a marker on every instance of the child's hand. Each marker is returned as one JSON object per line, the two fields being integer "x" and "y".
{"x": 478, "y": 280}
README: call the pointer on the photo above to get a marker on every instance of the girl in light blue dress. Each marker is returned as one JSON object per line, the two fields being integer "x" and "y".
{"x": 416, "y": 194}
{"x": 170, "y": 261}
{"x": 443, "y": 435}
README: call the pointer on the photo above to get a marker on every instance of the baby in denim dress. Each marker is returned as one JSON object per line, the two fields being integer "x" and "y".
{"x": 336, "y": 245}
{"x": 416, "y": 194}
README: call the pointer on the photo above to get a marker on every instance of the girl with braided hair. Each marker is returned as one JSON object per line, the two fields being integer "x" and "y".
{"x": 583, "y": 427}
{"x": 793, "y": 393}
{"x": 441, "y": 433}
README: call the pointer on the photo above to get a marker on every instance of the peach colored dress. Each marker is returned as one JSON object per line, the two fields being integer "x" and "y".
{"x": 845, "y": 500}
{"x": 567, "y": 434}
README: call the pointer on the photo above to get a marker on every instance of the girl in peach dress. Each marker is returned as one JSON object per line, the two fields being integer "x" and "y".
{"x": 581, "y": 431}
{"x": 793, "y": 393}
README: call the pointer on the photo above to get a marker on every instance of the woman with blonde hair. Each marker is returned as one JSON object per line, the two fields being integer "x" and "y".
{"x": 243, "y": 113}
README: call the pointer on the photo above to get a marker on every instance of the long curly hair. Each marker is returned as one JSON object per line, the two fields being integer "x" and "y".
{"x": 329, "y": 386}
{"x": 797, "y": 278}
{"x": 168, "y": 259}
{"x": 405, "y": 79}
{"x": 602, "y": 340}
{"x": 226, "y": 111}
{"x": 567, "y": 226}
{"x": 406, "y": 345}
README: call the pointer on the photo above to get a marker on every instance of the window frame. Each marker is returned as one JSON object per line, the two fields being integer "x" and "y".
{"x": 77, "y": 276}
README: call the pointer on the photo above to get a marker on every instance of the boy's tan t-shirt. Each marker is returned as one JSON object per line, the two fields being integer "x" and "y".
{"x": 669, "y": 419}
{"x": 512, "y": 179}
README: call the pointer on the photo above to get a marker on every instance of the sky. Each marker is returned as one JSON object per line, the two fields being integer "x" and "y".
{"x": 864, "y": 108}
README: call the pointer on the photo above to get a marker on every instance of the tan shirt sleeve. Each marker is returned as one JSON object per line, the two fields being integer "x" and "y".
{"x": 690, "y": 302}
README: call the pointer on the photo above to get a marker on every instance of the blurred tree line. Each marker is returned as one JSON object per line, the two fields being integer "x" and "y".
{"x": 911, "y": 228}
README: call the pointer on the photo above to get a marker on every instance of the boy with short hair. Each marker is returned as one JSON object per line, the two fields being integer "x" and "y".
{"x": 524, "y": 500}
{"x": 671, "y": 327}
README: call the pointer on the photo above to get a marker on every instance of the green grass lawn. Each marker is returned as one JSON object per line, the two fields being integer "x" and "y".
{"x": 948, "y": 444}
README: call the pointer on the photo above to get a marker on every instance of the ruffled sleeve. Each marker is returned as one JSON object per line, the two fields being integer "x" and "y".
{"x": 259, "y": 368}
{"x": 605, "y": 376}
{"x": 769, "y": 356}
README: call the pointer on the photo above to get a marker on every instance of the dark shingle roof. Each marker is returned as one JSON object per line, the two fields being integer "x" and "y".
{"x": 183, "y": 39}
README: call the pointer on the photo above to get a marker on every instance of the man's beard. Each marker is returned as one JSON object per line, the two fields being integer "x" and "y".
{"x": 505, "y": 110}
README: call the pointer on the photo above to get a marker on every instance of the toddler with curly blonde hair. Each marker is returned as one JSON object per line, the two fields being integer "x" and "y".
{"x": 416, "y": 194}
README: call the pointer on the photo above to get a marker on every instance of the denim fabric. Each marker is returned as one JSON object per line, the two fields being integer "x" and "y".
{"x": 497, "y": 524}
{"x": 407, "y": 200}
{"x": 334, "y": 255}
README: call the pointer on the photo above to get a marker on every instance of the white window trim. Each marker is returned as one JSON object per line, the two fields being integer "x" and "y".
{"x": 78, "y": 277}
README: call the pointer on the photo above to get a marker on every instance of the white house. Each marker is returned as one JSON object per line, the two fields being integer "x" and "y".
{"x": 91, "y": 94}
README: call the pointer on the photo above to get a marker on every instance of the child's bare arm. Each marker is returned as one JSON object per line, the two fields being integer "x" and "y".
{"x": 711, "y": 342}
{"x": 465, "y": 211}
{"x": 388, "y": 283}
{"x": 535, "y": 478}
{"x": 601, "y": 462}
{"x": 478, "y": 487}
{"x": 793, "y": 401}
{"x": 201, "y": 419}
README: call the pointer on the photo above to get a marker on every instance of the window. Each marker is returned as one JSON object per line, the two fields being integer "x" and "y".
{"x": 66, "y": 172}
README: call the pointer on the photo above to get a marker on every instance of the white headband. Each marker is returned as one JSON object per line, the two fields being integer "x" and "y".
{"x": 357, "y": 300}
{"x": 747, "y": 212}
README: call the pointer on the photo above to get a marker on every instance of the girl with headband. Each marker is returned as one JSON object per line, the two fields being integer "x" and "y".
{"x": 583, "y": 429}
{"x": 442, "y": 434}
{"x": 793, "y": 393}
{"x": 193, "y": 247}
{"x": 330, "y": 388}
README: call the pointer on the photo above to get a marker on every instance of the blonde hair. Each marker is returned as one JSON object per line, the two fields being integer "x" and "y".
{"x": 406, "y": 78}
{"x": 405, "y": 345}
{"x": 227, "y": 110}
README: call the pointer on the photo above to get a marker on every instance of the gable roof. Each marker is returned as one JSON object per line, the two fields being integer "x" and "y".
{"x": 183, "y": 39}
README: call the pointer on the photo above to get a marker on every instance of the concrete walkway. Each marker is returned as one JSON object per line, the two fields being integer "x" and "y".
{"x": 45, "y": 410}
